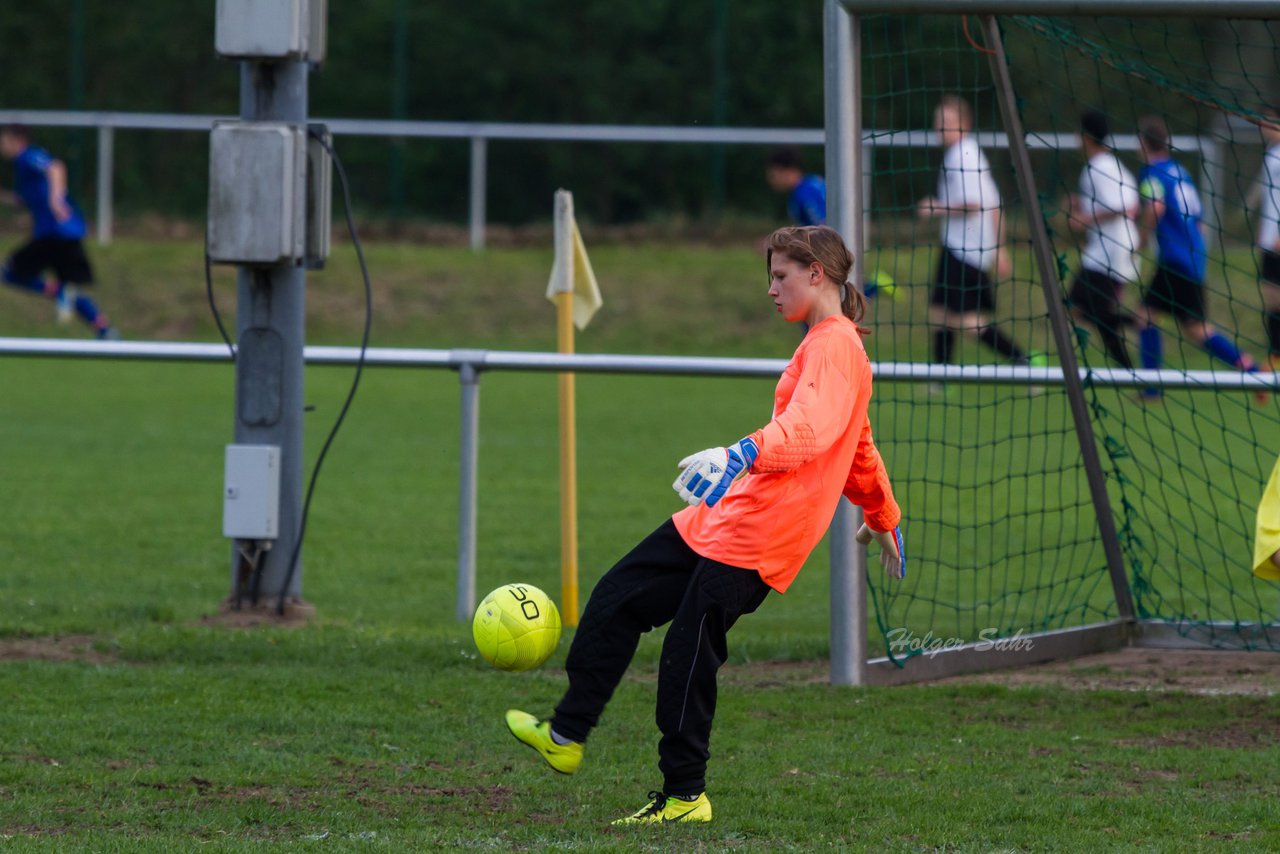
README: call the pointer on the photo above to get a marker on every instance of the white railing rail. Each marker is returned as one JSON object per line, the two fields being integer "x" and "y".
{"x": 470, "y": 363}
{"x": 479, "y": 134}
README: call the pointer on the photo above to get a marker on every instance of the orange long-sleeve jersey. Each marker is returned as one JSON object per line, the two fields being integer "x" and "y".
{"x": 817, "y": 447}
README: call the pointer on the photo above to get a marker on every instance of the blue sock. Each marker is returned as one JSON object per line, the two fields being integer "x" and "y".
{"x": 1220, "y": 347}
{"x": 88, "y": 310}
{"x": 1150, "y": 347}
{"x": 34, "y": 284}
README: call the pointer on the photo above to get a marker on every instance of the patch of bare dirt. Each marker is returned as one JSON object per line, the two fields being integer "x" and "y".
{"x": 58, "y": 648}
{"x": 1141, "y": 669}
{"x": 297, "y": 613}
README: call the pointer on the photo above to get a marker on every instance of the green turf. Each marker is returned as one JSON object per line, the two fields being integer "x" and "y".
{"x": 377, "y": 727}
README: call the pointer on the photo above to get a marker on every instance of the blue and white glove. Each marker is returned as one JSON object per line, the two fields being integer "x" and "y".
{"x": 707, "y": 475}
{"x": 892, "y": 556}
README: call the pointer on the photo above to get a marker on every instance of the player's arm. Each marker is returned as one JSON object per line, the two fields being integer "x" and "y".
{"x": 813, "y": 419}
{"x": 867, "y": 485}
{"x": 57, "y": 175}
{"x": 1268, "y": 186}
{"x": 1004, "y": 260}
{"x": 931, "y": 207}
{"x": 1151, "y": 192}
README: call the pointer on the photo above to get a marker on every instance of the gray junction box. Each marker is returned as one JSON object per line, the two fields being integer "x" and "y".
{"x": 251, "y": 492}
{"x": 257, "y": 193}
{"x": 271, "y": 29}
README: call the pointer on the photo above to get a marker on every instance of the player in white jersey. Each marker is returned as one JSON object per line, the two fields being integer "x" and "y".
{"x": 1269, "y": 233}
{"x": 968, "y": 203}
{"x": 1105, "y": 211}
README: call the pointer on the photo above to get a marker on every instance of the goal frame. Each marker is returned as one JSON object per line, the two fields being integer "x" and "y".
{"x": 847, "y": 214}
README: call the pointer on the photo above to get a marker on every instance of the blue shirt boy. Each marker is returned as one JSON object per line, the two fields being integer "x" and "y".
{"x": 31, "y": 182}
{"x": 1178, "y": 235}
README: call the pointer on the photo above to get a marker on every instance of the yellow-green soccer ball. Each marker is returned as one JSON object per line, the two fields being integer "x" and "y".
{"x": 516, "y": 627}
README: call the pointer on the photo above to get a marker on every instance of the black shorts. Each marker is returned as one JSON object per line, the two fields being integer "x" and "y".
{"x": 1096, "y": 296}
{"x": 65, "y": 258}
{"x": 961, "y": 288}
{"x": 1176, "y": 295}
{"x": 1269, "y": 267}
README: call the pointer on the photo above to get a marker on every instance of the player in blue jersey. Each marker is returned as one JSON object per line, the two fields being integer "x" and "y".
{"x": 807, "y": 205}
{"x": 806, "y": 192}
{"x": 57, "y": 232}
{"x": 1171, "y": 209}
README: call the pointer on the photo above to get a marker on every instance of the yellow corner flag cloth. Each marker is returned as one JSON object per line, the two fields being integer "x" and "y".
{"x": 1267, "y": 539}
{"x": 582, "y": 281}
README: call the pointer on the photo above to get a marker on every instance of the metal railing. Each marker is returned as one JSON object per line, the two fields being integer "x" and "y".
{"x": 471, "y": 363}
{"x": 480, "y": 133}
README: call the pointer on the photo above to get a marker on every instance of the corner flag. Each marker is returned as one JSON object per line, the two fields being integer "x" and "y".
{"x": 572, "y": 271}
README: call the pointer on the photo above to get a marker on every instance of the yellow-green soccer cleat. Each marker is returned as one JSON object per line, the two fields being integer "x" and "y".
{"x": 662, "y": 810}
{"x": 564, "y": 758}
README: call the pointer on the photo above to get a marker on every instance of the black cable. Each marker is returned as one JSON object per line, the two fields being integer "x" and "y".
{"x": 213, "y": 304}
{"x": 355, "y": 381}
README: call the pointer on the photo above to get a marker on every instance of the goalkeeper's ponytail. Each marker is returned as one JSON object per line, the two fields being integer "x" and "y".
{"x": 823, "y": 244}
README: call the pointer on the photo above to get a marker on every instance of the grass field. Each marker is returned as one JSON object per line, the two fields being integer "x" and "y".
{"x": 129, "y": 722}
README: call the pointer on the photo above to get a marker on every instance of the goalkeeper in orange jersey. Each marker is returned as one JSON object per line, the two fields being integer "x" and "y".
{"x": 758, "y": 508}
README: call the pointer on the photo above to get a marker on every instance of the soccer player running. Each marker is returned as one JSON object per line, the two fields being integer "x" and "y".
{"x": 758, "y": 508}
{"x": 968, "y": 203}
{"x": 40, "y": 184}
{"x": 1172, "y": 210}
{"x": 1106, "y": 211}
{"x": 1269, "y": 234}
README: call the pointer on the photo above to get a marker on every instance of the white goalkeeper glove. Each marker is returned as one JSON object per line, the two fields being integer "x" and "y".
{"x": 892, "y": 556}
{"x": 707, "y": 475}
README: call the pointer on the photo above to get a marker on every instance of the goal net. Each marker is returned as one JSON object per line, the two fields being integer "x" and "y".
{"x": 1000, "y": 523}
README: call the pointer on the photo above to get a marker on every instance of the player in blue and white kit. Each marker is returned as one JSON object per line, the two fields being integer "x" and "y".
{"x": 57, "y": 232}
{"x": 1104, "y": 211}
{"x": 1172, "y": 210}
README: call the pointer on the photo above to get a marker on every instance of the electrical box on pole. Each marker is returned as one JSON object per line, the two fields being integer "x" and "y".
{"x": 251, "y": 492}
{"x": 257, "y": 193}
{"x": 271, "y": 29}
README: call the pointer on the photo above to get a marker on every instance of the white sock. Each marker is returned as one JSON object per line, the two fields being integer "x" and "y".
{"x": 558, "y": 738}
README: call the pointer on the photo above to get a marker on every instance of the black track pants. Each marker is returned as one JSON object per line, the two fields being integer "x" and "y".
{"x": 661, "y": 580}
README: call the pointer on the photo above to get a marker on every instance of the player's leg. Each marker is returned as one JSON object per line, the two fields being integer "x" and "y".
{"x": 940, "y": 298}
{"x": 24, "y": 269}
{"x": 978, "y": 298}
{"x": 1095, "y": 297}
{"x": 1157, "y": 299}
{"x": 1270, "y": 269}
{"x": 641, "y": 591}
{"x": 695, "y": 647}
{"x": 693, "y": 651}
{"x": 75, "y": 274}
{"x": 1192, "y": 317}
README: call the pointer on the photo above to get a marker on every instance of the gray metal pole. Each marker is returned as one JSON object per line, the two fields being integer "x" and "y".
{"x": 106, "y": 167}
{"x": 844, "y": 214}
{"x": 270, "y": 326}
{"x": 468, "y": 467}
{"x": 479, "y": 179}
{"x": 1062, "y": 335}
